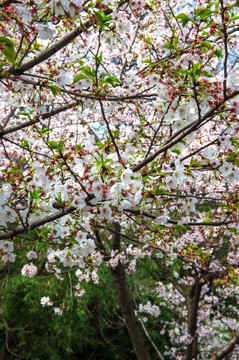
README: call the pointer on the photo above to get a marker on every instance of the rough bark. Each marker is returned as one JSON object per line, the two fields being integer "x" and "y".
{"x": 193, "y": 297}
{"x": 226, "y": 350}
{"x": 126, "y": 304}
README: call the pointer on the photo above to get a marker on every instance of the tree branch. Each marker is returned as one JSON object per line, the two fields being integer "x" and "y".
{"x": 179, "y": 135}
{"x": 226, "y": 349}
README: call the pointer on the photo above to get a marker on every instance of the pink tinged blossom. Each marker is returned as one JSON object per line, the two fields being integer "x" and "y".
{"x": 171, "y": 182}
{"x": 29, "y": 270}
{"x": 79, "y": 201}
{"x": 79, "y": 293}
{"x": 106, "y": 213}
{"x": 81, "y": 237}
{"x": 94, "y": 277}
{"x": 9, "y": 257}
{"x": 150, "y": 309}
{"x": 46, "y": 301}
{"x": 58, "y": 311}
{"x": 52, "y": 257}
{"x": 187, "y": 339}
{"x": 32, "y": 255}
{"x": 97, "y": 188}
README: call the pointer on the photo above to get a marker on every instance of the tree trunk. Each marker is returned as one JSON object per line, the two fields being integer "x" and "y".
{"x": 126, "y": 304}
{"x": 193, "y": 297}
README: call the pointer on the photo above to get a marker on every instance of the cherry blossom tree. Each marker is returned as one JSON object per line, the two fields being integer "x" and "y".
{"x": 119, "y": 146}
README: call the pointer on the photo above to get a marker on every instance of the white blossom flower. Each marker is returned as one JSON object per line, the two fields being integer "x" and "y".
{"x": 29, "y": 270}
{"x": 106, "y": 213}
{"x": 64, "y": 78}
{"x": 171, "y": 182}
{"x": 233, "y": 176}
{"x": 97, "y": 188}
{"x": 9, "y": 257}
{"x": 210, "y": 153}
{"x": 46, "y": 31}
{"x": 8, "y": 215}
{"x": 59, "y": 7}
{"x": 31, "y": 255}
{"x": 226, "y": 168}
{"x": 5, "y": 193}
{"x": 125, "y": 204}
{"x": 81, "y": 237}
{"x": 46, "y": 301}
{"x": 58, "y": 311}
{"x": 126, "y": 176}
{"x": 7, "y": 246}
{"x": 160, "y": 220}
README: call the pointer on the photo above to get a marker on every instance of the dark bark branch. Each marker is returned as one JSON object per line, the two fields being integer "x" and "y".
{"x": 193, "y": 297}
{"x": 103, "y": 97}
{"x": 44, "y": 55}
{"x": 226, "y": 350}
{"x": 126, "y": 304}
{"x": 110, "y": 132}
{"x": 11, "y": 129}
{"x": 125, "y": 301}
{"x": 225, "y": 40}
{"x": 179, "y": 135}
{"x": 174, "y": 222}
{"x": 37, "y": 223}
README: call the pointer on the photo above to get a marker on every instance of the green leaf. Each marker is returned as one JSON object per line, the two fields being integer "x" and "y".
{"x": 88, "y": 72}
{"x": 176, "y": 150}
{"x": 204, "y": 13}
{"x": 207, "y": 44}
{"x": 175, "y": 41}
{"x": 44, "y": 131}
{"x": 35, "y": 194}
{"x": 218, "y": 53}
{"x": 207, "y": 74}
{"x": 197, "y": 66}
{"x": 54, "y": 89}
{"x": 112, "y": 80}
{"x": 168, "y": 46}
{"x": 184, "y": 18}
{"x": 235, "y": 17}
{"x": 103, "y": 18}
{"x": 99, "y": 15}
{"x": 25, "y": 144}
{"x": 98, "y": 58}
{"x": 7, "y": 42}
{"x": 195, "y": 163}
{"x": 52, "y": 145}
{"x": 8, "y": 50}
{"x": 79, "y": 77}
